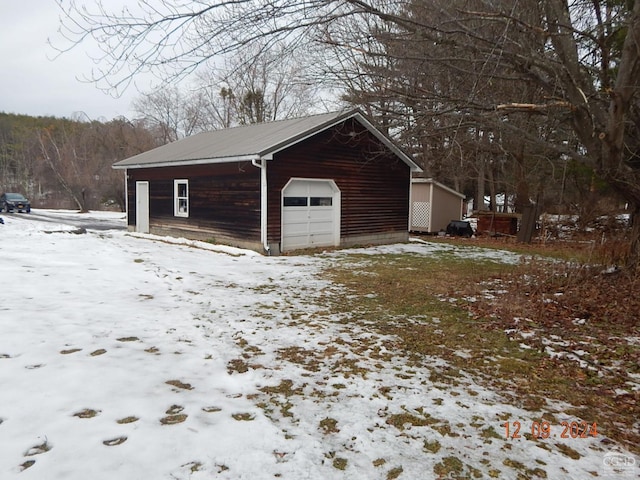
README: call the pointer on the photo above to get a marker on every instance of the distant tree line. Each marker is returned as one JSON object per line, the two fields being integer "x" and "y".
{"x": 66, "y": 163}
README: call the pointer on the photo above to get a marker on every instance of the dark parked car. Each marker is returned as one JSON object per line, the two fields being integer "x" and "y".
{"x": 459, "y": 228}
{"x": 14, "y": 202}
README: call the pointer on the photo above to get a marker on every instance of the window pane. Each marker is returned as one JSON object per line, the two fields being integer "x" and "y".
{"x": 295, "y": 201}
{"x": 321, "y": 201}
{"x": 181, "y": 198}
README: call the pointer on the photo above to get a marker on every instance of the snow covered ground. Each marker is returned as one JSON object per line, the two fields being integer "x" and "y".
{"x": 137, "y": 357}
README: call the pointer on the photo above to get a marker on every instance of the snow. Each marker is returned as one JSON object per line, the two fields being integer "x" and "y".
{"x": 263, "y": 381}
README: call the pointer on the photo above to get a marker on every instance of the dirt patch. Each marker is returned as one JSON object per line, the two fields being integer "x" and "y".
{"x": 237, "y": 365}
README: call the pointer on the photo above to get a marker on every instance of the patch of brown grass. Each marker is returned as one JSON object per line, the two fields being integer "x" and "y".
{"x": 442, "y": 305}
{"x": 594, "y": 317}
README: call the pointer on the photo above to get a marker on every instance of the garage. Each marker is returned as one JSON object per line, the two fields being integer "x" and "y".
{"x": 310, "y": 214}
{"x": 331, "y": 179}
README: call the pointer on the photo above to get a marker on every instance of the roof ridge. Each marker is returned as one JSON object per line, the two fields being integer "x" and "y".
{"x": 282, "y": 120}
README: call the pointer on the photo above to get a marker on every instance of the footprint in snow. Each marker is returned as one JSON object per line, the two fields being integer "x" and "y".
{"x": 27, "y": 464}
{"x": 69, "y": 351}
{"x": 38, "y": 449}
{"x": 173, "y": 415}
{"x": 179, "y": 385}
{"x": 112, "y": 442}
{"x": 173, "y": 419}
{"x": 125, "y": 420}
{"x": 174, "y": 409}
{"x": 86, "y": 413}
{"x": 211, "y": 409}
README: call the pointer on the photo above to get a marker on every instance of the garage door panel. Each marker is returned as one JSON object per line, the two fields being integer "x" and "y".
{"x": 321, "y": 240}
{"x": 295, "y": 214}
{"x": 311, "y": 222}
{"x": 321, "y": 228}
{"x": 297, "y": 241}
{"x": 300, "y": 231}
{"x": 320, "y": 215}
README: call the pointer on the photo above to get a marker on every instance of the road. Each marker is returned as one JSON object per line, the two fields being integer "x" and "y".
{"x": 89, "y": 222}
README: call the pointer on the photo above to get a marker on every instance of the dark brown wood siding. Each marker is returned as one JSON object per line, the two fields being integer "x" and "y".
{"x": 374, "y": 182}
{"x": 224, "y": 198}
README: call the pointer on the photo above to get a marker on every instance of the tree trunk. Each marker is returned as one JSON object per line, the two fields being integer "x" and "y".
{"x": 633, "y": 262}
{"x": 479, "y": 201}
{"x": 492, "y": 190}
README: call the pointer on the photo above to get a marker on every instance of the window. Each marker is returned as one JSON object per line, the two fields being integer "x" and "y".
{"x": 321, "y": 201}
{"x": 307, "y": 201}
{"x": 295, "y": 201}
{"x": 181, "y": 198}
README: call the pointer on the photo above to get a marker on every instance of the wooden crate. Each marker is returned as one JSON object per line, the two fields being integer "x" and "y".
{"x": 498, "y": 223}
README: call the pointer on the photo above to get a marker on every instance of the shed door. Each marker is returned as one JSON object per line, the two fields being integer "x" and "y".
{"x": 310, "y": 214}
{"x": 142, "y": 207}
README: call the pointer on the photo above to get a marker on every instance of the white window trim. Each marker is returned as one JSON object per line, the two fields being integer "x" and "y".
{"x": 176, "y": 199}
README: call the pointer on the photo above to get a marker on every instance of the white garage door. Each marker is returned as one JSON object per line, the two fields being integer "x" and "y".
{"x": 310, "y": 214}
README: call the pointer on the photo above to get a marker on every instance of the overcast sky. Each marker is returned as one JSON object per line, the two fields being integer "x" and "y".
{"x": 32, "y": 83}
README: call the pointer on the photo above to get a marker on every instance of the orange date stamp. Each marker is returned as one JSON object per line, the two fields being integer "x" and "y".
{"x": 543, "y": 429}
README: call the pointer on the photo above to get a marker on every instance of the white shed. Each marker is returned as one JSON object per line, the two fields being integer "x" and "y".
{"x": 433, "y": 205}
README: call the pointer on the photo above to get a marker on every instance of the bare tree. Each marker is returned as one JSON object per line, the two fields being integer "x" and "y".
{"x": 170, "y": 112}
{"x": 253, "y": 86}
{"x": 438, "y": 115}
{"x": 112, "y": 141}
{"x": 256, "y": 85}
{"x": 61, "y": 157}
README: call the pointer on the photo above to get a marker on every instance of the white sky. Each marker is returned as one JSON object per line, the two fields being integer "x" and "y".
{"x": 34, "y": 84}
{"x": 99, "y": 322}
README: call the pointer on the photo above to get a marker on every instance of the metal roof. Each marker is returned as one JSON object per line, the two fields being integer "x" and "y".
{"x": 441, "y": 185}
{"x": 250, "y": 142}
